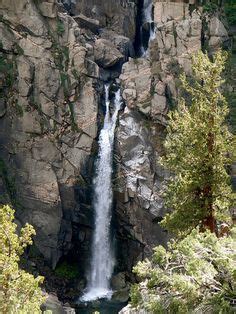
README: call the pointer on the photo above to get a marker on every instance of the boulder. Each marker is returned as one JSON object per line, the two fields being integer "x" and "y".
{"x": 122, "y": 43}
{"x": 136, "y": 81}
{"x": 88, "y": 23}
{"x": 48, "y": 8}
{"x": 218, "y": 34}
{"x": 55, "y": 306}
{"x": 106, "y": 54}
{"x": 129, "y": 310}
{"x": 120, "y": 296}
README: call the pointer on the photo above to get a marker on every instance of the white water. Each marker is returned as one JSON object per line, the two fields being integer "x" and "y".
{"x": 147, "y": 11}
{"x": 102, "y": 255}
{"x": 147, "y": 17}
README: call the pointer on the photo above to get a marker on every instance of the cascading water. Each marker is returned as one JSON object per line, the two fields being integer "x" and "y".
{"x": 102, "y": 256}
{"x": 102, "y": 262}
{"x": 147, "y": 26}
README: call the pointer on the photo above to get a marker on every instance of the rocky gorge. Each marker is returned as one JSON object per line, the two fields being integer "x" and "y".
{"x": 55, "y": 57}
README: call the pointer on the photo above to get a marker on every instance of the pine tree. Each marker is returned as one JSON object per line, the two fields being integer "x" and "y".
{"x": 197, "y": 151}
{"x": 19, "y": 291}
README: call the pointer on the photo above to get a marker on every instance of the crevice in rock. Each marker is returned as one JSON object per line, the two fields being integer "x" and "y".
{"x": 138, "y": 34}
{"x": 68, "y": 5}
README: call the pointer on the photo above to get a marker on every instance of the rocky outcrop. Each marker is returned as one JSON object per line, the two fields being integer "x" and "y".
{"x": 118, "y": 16}
{"x": 105, "y": 54}
{"x": 150, "y": 88}
{"x": 140, "y": 91}
{"x": 138, "y": 187}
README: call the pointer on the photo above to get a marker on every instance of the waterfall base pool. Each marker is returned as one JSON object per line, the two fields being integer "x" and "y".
{"x": 102, "y": 306}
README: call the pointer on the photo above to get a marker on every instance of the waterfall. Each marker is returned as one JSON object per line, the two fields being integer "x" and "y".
{"x": 146, "y": 26}
{"x": 102, "y": 256}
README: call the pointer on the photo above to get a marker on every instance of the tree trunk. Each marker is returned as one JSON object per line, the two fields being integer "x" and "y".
{"x": 210, "y": 223}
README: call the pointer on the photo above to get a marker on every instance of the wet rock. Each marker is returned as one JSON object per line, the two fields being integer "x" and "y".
{"x": 118, "y": 281}
{"x": 121, "y": 296}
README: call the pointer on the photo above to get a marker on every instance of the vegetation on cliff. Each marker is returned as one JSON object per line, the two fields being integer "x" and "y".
{"x": 197, "y": 272}
{"x": 198, "y": 150}
{"x": 19, "y": 291}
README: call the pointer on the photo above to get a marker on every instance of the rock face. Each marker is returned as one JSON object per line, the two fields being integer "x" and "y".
{"x": 49, "y": 120}
{"x": 139, "y": 183}
{"x": 52, "y": 85}
{"x": 150, "y": 88}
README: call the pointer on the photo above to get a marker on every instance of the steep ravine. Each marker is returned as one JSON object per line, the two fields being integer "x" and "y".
{"x": 55, "y": 60}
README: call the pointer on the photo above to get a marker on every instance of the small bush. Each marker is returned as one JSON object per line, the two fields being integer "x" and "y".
{"x": 210, "y": 7}
{"x": 230, "y": 11}
{"x": 67, "y": 271}
{"x": 19, "y": 291}
{"x": 60, "y": 28}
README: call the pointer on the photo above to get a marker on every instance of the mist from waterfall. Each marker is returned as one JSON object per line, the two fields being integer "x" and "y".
{"x": 102, "y": 262}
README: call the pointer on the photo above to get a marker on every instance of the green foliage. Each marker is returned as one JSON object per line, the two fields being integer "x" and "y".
{"x": 196, "y": 274}
{"x": 198, "y": 146}
{"x": 19, "y": 109}
{"x": 231, "y": 97}
{"x": 135, "y": 295}
{"x": 65, "y": 82}
{"x": 60, "y": 28}
{"x": 7, "y": 69}
{"x": 74, "y": 125}
{"x": 230, "y": 11}
{"x": 210, "y": 7}
{"x": 19, "y": 291}
{"x": 61, "y": 56}
{"x": 68, "y": 271}
{"x": 18, "y": 50}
